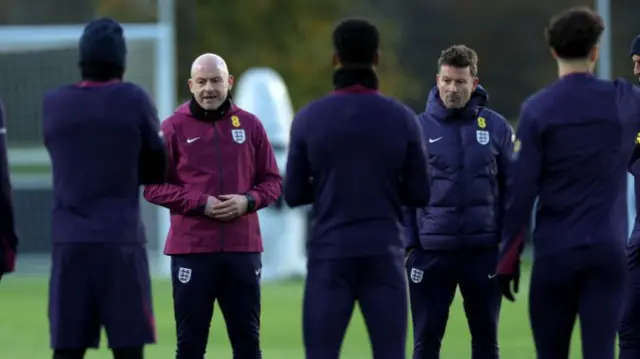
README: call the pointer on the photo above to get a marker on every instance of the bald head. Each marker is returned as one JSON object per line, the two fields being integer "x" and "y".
{"x": 210, "y": 81}
{"x": 208, "y": 61}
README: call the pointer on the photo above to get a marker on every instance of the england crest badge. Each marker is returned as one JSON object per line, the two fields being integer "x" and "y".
{"x": 482, "y": 137}
{"x": 238, "y": 135}
{"x": 184, "y": 275}
{"x": 416, "y": 275}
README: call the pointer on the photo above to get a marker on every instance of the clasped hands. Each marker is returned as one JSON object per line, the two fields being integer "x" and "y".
{"x": 226, "y": 207}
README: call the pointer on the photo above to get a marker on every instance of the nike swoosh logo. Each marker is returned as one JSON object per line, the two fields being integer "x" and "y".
{"x": 491, "y": 276}
{"x": 190, "y": 140}
{"x": 432, "y": 140}
{"x": 258, "y": 271}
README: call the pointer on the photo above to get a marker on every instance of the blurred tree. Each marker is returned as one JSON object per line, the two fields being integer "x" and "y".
{"x": 291, "y": 36}
{"x": 507, "y": 34}
{"x": 133, "y": 11}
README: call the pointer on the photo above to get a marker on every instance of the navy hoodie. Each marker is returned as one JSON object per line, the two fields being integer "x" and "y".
{"x": 574, "y": 142}
{"x": 470, "y": 153}
{"x": 634, "y": 168}
{"x": 358, "y": 157}
{"x": 104, "y": 141}
{"x": 8, "y": 237}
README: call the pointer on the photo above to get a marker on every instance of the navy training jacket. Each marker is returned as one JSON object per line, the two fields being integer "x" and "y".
{"x": 470, "y": 151}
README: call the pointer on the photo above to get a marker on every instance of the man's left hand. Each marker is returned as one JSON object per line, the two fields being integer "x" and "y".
{"x": 509, "y": 283}
{"x": 232, "y": 206}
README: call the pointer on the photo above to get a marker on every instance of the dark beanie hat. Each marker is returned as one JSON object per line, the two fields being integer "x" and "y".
{"x": 635, "y": 46}
{"x": 102, "y": 45}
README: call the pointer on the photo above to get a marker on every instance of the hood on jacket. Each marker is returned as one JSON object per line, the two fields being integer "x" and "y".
{"x": 635, "y": 46}
{"x": 102, "y": 50}
{"x": 435, "y": 107}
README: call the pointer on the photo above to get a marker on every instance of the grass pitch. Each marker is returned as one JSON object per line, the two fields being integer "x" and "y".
{"x": 24, "y": 328}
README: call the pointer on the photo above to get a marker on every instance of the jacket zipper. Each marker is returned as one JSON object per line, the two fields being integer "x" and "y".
{"x": 216, "y": 136}
{"x": 461, "y": 186}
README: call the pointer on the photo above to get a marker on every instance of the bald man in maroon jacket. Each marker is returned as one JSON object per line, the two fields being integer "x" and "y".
{"x": 221, "y": 171}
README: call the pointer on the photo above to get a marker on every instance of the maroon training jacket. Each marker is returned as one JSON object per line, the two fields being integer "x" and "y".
{"x": 231, "y": 155}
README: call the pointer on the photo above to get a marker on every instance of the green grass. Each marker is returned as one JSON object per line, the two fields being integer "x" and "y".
{"x": 24, "y": 331}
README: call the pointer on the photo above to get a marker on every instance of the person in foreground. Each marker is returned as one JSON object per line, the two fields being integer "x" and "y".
{"x": 102, "y": 135}
{"x": 222, "y": 170}
{"x": 629, "y": 333}
{"x": 357, "y": 156}
{"x": 573, "y": 145}
{"x": 8, "y": 237}
{"x": 454, "y": 240}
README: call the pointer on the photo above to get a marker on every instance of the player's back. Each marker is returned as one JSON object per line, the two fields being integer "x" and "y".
{"x": 357, "y": 150}
{"x": 94, "y": 136}
{"x": 586, "y": 128}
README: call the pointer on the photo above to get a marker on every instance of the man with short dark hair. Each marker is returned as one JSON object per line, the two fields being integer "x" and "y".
{"x": 357, "y": 156}
{"x": 454, "y": 239}
{"x": 629, "y": 333}
{"x": 574, "y": 141}
{"x": 8, "y": 237}
{"x": 102, "y": 136}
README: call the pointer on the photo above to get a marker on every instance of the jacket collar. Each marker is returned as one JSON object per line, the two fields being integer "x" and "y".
{"x": 437, "y": 109}
{"x": 209, "y": 115}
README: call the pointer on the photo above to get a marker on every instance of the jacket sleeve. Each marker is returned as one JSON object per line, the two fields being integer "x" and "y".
{"x": 414, "y": 188}
{"x": 171, "y": 195}
{"x": 267, "y": 186}
{"x": 522, "y": 189}
{"x": 505, "y": 158}
{"x": 153, "y": 159}
{"x": 8, "y": 237}
{"x": 636, "y": 151}
{"x": 298, "y": 186}
{"x": 411, "y": 234}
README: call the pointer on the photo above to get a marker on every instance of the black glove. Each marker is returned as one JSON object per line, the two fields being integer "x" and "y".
{"x": 509, "y": 283}
{"x": 508, "y": 269}
{"x": 7, "y": 256}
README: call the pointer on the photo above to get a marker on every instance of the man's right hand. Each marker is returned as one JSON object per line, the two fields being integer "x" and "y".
{"x": 211, "y": 203}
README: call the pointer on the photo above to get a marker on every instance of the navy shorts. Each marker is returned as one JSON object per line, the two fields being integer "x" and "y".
{"x": 96, "y": 285}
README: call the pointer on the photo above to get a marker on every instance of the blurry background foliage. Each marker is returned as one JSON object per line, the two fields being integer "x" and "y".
{"x": 294, "y": 37}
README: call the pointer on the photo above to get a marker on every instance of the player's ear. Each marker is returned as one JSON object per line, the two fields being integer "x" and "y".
{"x": 595, "y": 54}
{"x": 232, "y": 80}
{"x": 376, "y": 58}
{"x": 476, "y": 82}
{"x": 437, "y": 78}
{"x": 336, "y": 61}
{"x": 554, "y": 54}
{"x": 190, "y": 82}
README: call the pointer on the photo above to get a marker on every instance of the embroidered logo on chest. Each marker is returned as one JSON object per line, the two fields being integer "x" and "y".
{"x": 237, "y": 134}
{"x": 482, "y": 135}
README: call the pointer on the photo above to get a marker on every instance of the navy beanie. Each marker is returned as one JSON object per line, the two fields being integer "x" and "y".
{"x": 102, "y": 44}
{"x": 635, "y": 46}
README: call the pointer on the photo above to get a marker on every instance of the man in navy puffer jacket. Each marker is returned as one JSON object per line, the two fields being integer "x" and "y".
{"x": 454, "y": 240}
